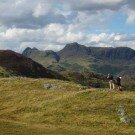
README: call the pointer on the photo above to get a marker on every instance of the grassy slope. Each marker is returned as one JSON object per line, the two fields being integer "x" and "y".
{"x": 4, "y": 73}
{"x": 45, "y": 61}
{"x": 81, "y": 64}
{"x": 26, "y": 108}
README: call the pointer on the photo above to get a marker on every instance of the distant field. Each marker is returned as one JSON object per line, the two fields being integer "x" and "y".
{"x": 27, "y": 108}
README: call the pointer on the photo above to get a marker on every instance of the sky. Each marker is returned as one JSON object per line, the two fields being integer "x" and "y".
{"x": 51, "y": 24}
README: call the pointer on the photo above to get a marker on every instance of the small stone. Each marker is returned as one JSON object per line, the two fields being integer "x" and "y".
{"x": 47, "y": 86}
{"x": 124, "y": 117}
{"x": 52, "y": 87}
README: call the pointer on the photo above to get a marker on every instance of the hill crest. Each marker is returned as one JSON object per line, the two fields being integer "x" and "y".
{"x": 24, "y": 66}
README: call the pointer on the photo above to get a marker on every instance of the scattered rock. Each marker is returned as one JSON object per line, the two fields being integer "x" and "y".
{"x": 83, "y": 88}
{"x": 47, "y": 86}
{"x": 52, "y": 86}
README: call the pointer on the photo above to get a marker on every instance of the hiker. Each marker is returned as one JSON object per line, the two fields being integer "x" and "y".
{"x": 111, "y": 81}
{"x": 118, "y": 83}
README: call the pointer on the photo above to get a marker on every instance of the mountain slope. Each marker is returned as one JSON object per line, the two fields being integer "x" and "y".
{"x": 21, "y": 65}
{"x": 45, "y": 58}
{"x": 88, "y": 79}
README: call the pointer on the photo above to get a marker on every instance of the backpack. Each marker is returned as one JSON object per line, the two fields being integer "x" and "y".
{"x": 110, "y": 77}
{"x": 117, "y": 81}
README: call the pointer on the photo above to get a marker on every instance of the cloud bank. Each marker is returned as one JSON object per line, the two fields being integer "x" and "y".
{"x": 50, "y": 24}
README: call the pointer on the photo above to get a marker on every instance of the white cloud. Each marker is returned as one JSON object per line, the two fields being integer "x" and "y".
{"x": 61, "y": 34}
{"x": 131, "y": 16}
{"x": 50, "y": 24}
{"x": 21, "y": 35}
{"x": 103, "y": 37}
{"x": 29, "y": 14}
{"x": 55, "y": 36}
{"x": 112, "y": 40}
{"x": 42, "y": 9}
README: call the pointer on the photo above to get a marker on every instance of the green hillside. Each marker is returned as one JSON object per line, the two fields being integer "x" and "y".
{"x": 27, "y": 108}
{"x": 5, "y": 73}
{"x": 45, "y": 58}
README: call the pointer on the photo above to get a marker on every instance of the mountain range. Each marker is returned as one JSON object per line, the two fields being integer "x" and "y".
{"x": 79, "y": 58}
{"x": 15, "y": 64}
{"x": 84, "y": 65}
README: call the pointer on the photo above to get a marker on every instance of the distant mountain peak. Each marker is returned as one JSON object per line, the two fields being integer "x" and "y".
{"x": 29, "y": 48}
{"x": 73, "y": 45}
{"x": 28, "y": 51}
{"x": 40, "y": 56}
{"x": 74, "y": 49}
{"x": 34, "y": 48}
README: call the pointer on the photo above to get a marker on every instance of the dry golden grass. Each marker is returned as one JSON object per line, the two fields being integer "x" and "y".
{"x": 27, "y": 108}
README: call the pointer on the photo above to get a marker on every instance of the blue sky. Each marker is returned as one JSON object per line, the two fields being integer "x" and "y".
{"x": 118, "y": 25}
{"x": 51, "y": 24}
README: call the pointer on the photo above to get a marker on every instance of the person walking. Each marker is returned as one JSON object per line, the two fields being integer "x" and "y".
{"x": 118, "y": 83}
{"x": 111, "y": 81}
